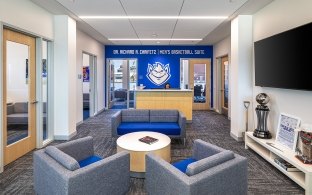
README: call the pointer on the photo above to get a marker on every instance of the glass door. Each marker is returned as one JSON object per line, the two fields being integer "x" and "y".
{"x": 133, "y": 81}
{"x": 122, "y": 82}
{"x": 199, "y": 81}
{"x": 224, "y": 85}
{"x": 19, "y": 89}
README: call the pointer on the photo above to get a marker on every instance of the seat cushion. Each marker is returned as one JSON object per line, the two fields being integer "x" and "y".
{"x": 61, "y": 157}
{"x": 164, "y": 116}
{"x": 165, "y": 128}
{"x": 89, "y": 160}
{"x": 209, "y": 162}
{"x": 182, "y": 165}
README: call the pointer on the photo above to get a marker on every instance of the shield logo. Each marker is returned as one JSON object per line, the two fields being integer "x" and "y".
{"x": 158, "y": 73}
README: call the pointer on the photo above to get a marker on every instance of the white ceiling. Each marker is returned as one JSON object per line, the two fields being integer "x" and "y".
{"x": 131, "y": 28}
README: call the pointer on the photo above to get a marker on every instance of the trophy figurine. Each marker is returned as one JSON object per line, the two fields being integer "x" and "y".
{"x": 262, "y": 112}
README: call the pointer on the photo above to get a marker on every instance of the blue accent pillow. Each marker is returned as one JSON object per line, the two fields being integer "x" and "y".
{"x": 182, "y": 165}
{"x": 89, "y": 160}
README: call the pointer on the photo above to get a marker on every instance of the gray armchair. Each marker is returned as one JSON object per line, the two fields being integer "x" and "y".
{"x": 215, "y": 171}
{"x": 63, "y": 169}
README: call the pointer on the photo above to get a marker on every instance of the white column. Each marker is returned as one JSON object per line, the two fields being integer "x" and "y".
{"x": 240, "y": 73}
{"x": 64, "y": 70}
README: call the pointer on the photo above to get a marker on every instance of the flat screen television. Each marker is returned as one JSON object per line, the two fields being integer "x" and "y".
{"x": 285, "y": 60}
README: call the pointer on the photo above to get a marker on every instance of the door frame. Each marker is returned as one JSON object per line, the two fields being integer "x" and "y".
{"x": 219, "y": 84}
{"x": 93, "y": 83}
{"x": 19, "y": 148}
{"x": 39, "y": 142}
{"x": 128, "y": 78}
{"x": 207, "y": 79}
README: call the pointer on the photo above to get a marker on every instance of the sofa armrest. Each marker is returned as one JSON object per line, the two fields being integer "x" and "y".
{"x": 203, "y": 149}
{"x": 78, "y": 149}
{"x": 229, "y": 177}
{"x": 182, "y": 124}
{"x": 116, "y": 120}
{"x": 162, "y": 178}
{"x": 110, "y": 175}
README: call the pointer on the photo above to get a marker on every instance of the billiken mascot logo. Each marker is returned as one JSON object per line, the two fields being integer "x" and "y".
{"x": 158, "y": 73}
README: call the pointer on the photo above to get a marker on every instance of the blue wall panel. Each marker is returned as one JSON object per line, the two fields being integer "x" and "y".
{"x": 156, "y": 63}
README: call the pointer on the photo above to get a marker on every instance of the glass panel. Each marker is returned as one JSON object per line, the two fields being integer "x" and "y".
{"x": 86, "y": 85}
{"x": 184, "y": 71}
{"x": 132, "y": 81}
{"x": 112, "y": 85}
{"x": 17, "y": 74}
{"x": 119, "y": 84}
{"x": 44, "y": 80}
{"x": 199, "y": 83}
{"x": 226, "y": 84}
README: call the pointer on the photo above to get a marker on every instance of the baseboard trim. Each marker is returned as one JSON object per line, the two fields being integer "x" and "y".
{"x": 65, "y": 137}
{"x": 100, "y": 111}
{"x": 239, "y": 139}
{"x": 79, "y": 123}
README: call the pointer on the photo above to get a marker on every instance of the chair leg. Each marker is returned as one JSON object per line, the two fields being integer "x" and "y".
{"x": 184, "y": 140}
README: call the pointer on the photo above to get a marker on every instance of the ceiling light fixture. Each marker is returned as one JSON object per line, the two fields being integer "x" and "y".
{"x": 157, "y": 17}
{"x": 164, "y": 39}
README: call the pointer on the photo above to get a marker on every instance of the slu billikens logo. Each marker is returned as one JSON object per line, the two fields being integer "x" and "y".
{"x": 158, "y": 73}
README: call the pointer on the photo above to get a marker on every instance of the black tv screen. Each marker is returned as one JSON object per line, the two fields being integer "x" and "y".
{"x": 285, "y": 60}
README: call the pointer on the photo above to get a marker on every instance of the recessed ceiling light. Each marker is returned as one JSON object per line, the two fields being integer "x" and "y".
{"x": 158, "y": 42}
{"x": 163, "y": 39}
{"x": 157, "y": 17}
{"x": 154, "y": 35}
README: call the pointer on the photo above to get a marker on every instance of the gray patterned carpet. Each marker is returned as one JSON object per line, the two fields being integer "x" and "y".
{"x": 263, "y": 178}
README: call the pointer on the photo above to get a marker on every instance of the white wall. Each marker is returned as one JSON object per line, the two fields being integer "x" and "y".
{"x": 64, "y": 77}
{"x": 90, "y": 45}
{"x": 279, "y": 16}
{"x": 220, "y": 49}
{"x": 240, "y": 72}
{"x": 26, "y": 15}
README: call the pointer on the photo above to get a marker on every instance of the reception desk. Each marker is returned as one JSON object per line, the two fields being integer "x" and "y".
{"x": 179, "y": 99}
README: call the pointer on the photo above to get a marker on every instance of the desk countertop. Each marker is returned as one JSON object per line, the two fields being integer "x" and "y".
{"x": 162, "y": 90}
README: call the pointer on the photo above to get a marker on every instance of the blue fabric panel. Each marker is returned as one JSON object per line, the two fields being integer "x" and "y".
{"x": 182, "y": 165}
{"x": 165, "y": 128}
{"x": 89, "y": 160}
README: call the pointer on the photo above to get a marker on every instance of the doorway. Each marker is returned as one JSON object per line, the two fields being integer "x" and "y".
{"x": 224, "y": 85}
{"x": 19, "y": 94}
{"x": 195, "y": 74}
{"x": 122, "y": 82}
{"x": 88, "y": 85}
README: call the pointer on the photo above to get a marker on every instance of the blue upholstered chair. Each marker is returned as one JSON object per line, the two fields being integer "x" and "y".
{"x": 72, "y": 168}
{"x": 211, "y": 170}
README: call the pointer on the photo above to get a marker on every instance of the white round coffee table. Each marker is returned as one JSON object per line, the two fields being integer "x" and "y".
{"x": 137, "y": 149}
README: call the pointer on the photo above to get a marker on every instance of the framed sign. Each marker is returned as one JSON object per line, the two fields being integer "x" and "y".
{"x": 85, "y": 73}
{"x": 286, "y": 134}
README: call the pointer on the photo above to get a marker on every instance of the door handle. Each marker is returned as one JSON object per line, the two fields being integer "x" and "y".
{"x": 34, "y": 102}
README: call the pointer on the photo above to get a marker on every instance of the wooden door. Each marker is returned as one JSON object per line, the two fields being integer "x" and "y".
{"x": 224, "y": 85}
{"x": 19, "y": 94}
{"x": 199, "y": 82}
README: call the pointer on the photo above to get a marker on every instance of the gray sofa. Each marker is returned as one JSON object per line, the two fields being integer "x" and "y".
{"x": 58, "y": 170}
{"x": 168, "y": 122}
{"x": 216, "y": 171}
{"x": 17, "y": 113}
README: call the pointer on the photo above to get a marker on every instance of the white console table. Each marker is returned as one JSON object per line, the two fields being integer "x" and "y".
{"x": 269, "y": 153}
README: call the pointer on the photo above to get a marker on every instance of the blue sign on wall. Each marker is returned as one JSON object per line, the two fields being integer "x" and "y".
{"x": 158, "y": 65}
